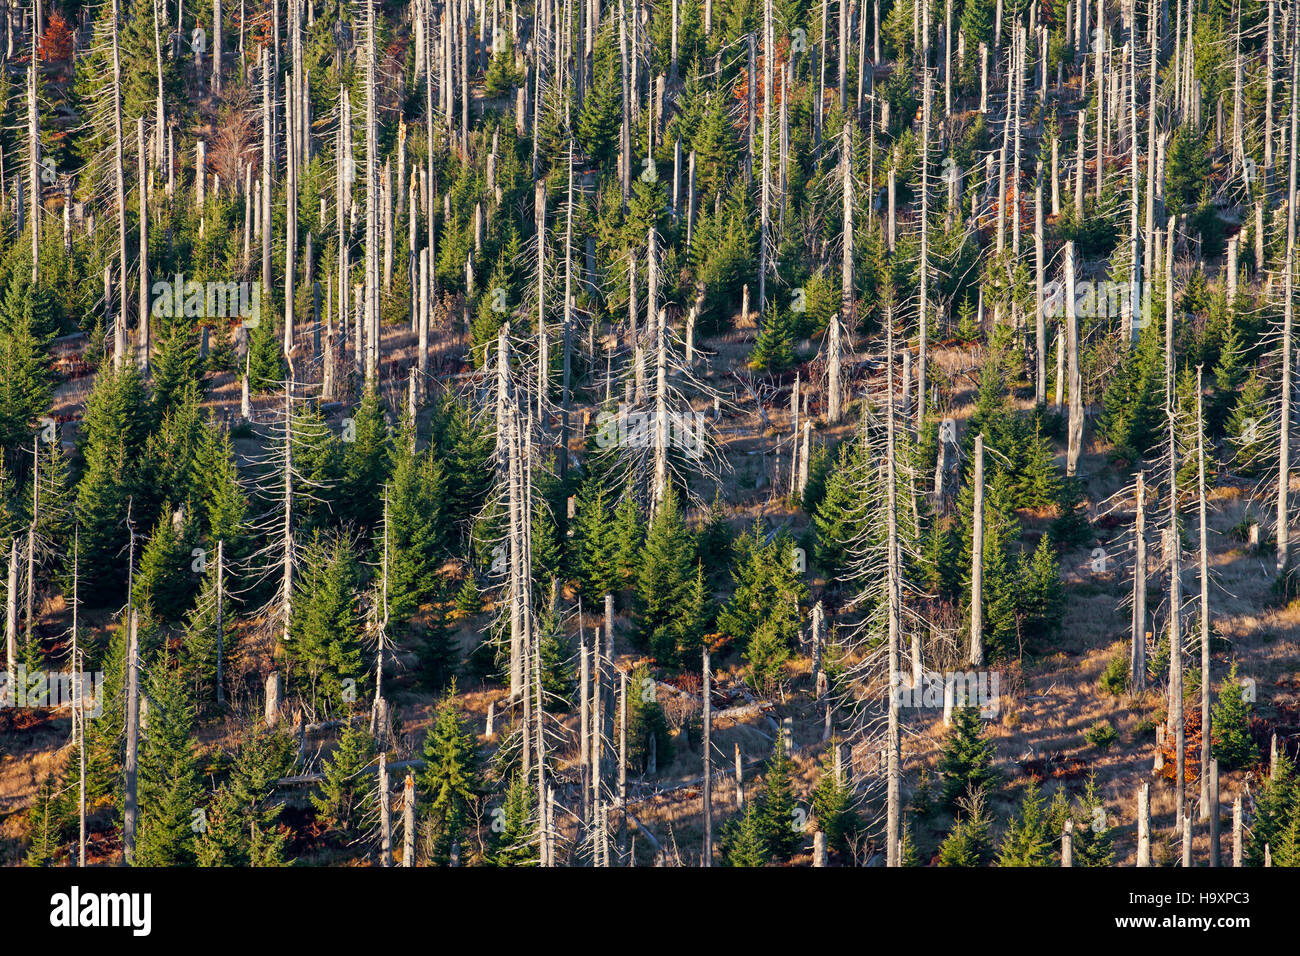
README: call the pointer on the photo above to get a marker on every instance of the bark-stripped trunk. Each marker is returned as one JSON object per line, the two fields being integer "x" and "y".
{"x": 1176, "y": 722}
{"x": 924, "y": 307}
{"x": 894, "y": 771}
{"x": 1040, "y": 318}
{"x": 143, "y": 303}
{"x": 119, "y": 333}
{"x": 655, "y": 320}
{"x": 408, "y": 821}
{"x": 286, "y": 530}
{"x": 372, "y": 224}
{"x": 977, "y": 560}
{"x": 1076, "y": 383}
{"x": 1138, "y": 640}
{"x": 221, "y": 622}
{"x": 1144, "y": 825}
{"x": 33, "y": 161}
{"x": 385, "y": 813}
{"x": 1205, "y": 601}
{"x": 11, "y": 615}
{"x": 216, "y": 46}
{"x": 1288, "y": 315}
{"x": 708, "y": 766}
{"x": 130, "y": 764}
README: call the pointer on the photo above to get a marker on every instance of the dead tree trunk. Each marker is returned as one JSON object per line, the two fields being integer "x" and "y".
{"x": 893, "y": 745}
{"x": 79, "y": 709}
{"x": 130, "y": 764}
{"x": 1176, "y": 723}
{"x": 977, "y": 560}
{"x": 119, "y": 334}
{"x": 1212, "y": 804}
{"x": 385, "y": 814}
{"x": 622, "y": 761}
{"x": 1205, "y": 604}
{"x": 1236, "y": 831}
{"x": 1138, "y": 644}
{"x": 1144, "y": 825}
{"x": 143, "y": 302}
{"x": 923, "y": 306}
{"x": 655, "y": 319}
{"x": 33, "y": 162}
{"x": 708, "y": 770}
{"x": 11, "y": 616}
{"x": 1288, "y": 314}
{"x": 372, "y": 223}
{"x": 408, "y": 821}
{"x": 1076, "y": 384}
{"x": 221, "y": 629}
{"x": 834, "y": 411}
{"x": 216, "y": 45}
{"x": 1040, "y": 318}
{"x": 286, "y": 529}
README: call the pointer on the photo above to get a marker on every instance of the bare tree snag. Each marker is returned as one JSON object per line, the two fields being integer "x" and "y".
{"x": 130, "y": 764}
{"x": 1144, "y": 824}
{"x": 1076, "y": 382}
{"x": 977, "y": 560}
